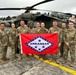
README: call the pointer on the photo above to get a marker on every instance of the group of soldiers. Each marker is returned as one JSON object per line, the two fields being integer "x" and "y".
{"x": 66, "y": 40}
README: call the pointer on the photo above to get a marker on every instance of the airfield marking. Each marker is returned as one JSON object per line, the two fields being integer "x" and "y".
{"x": 57, "y": 65}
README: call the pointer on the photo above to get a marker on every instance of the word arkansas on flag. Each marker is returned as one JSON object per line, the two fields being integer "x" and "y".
{"x": 39, "y": 43}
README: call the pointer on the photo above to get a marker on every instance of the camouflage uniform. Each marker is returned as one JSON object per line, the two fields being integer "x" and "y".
{"x": 31, "y": 30}
{"x": 62, "y": 37}
{"x": 36, "y": 29}
{"x": 43, "y": 31}
{"x": 3, "y": 43}
{"x": 12, "y": 33}
{"x": 20, "y": 30}
{"x": 55, "y": 30}
{"x": 71, "y": 38}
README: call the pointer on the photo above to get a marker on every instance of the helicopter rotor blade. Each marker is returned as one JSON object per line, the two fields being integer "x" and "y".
{"x": 26, "y": 8}
{"x": 13, "y": 8}
{"x": 31, "y": 8}
{"x": 10, "y": 8}
{"x": 45, "y": 1}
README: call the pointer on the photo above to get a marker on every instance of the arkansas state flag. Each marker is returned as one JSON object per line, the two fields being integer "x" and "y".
{"x": 39, "y": 43}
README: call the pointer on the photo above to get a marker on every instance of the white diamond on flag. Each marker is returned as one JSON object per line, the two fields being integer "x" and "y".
{"x": 39, "y": 44}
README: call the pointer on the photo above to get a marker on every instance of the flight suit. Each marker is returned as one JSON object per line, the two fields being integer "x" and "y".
{"x": 20, "y": 30}
{"x": 55, "y": 30}
{"x": 3, "y": 44}
{"x": 12, "y": 33}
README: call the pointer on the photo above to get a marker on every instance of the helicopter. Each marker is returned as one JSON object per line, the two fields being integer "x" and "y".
{"x": 37, "y": 17}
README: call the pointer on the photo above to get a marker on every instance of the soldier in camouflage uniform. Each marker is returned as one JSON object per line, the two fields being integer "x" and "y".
{"x": 37, "y": 27}
{"x": 43, "y": 30}
{"x": 12, "y": 33}
{"x": 22, "y": 29}
{"x": 55, "y": 29}
{"x": 70, "y": 43}
{"x": 3, "y": 44}
{"x": 31, "y": 28}
{"x": 62, "y": 38}
{"x": 0, "y": 25}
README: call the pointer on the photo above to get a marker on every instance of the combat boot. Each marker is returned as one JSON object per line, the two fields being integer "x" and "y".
{"x": 44, "y": 57}
{"x": 65, "y": 61}
{"x": 2, "y": 61}
{"x": 5, "y": 59}
{"x": 32, "y": 55}
{"x": 40, "y": 56}
{"x": 57, "y": 61}
{"x": 26, "y": 57}
{"x": 61, "y": 56}
{"x": 72, "y": 64}
{"x": 14, "y": 60}
{"x": 20, "y": 58}
{"x": 50, "y": 59}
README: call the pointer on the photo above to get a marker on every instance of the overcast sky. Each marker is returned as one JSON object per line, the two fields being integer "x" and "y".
{"x": 67, "y": 6}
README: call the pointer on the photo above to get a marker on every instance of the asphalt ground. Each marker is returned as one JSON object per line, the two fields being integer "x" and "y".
{"x": 36, "y": 66}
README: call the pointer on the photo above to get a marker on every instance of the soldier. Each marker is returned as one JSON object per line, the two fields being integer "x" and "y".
{"x": 31, "y": 28}
{"x": 70, "y": 44}
{"x": 55, "y": 29}
{"x": 62, "y": 38}
{"x": 43, "y": 30}
{"x": 37, "y": 27}
{"x": 0, "y": 25}
{"x": 3, "y": 43}
{"x": 12, "y": 33}
{"x": 22, "y": 29}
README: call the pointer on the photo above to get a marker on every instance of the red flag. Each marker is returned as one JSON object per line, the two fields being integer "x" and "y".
{"x": 39, "y": 43}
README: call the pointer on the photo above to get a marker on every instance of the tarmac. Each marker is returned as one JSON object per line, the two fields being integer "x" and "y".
{"x": 36, "y": 66}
